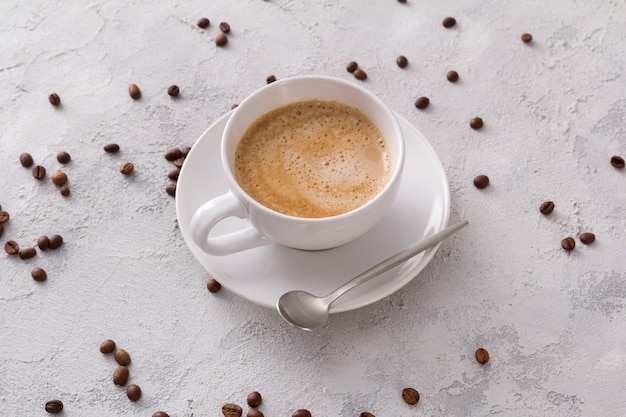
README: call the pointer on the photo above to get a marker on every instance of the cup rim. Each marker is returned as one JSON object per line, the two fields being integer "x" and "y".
{"x": 396, "y": 167}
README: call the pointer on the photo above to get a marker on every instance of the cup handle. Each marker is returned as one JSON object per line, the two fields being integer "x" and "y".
{"x": 216, "y": 210}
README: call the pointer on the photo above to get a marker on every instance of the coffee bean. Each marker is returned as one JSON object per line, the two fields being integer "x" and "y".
{"x": 587, "y": 238}
{"x": 1, "y": 229}
{"x": 39, "y": 274}
{"x": 65, "y": 191}
{"x": 402, "y": 61}
{"x": 481, "y": 181}
{"x": 54, "y": 406}
{"x": 39, "y": 172}
{"x": 27, "y": 253}
{"x": 617, "y": 161}
{"x": 204, "y": 22}
{"x": 221, "y": 40}
{"x": 59, "y": 178}
{"x": 452, "y": 76}
{"x": 527, "y": 37}
{"x": 270, "y": 79}
{"x": 122, "y": 357}
{"x": 482, "y": 356}
{"x": 160, "y": 414}
{"x": 422, "y": 102}
{"x": 63, "y": 157}
{"x": 449, "y": 22}
{"x": 111, "y": 148}
{"x": 43, "y": 242}
{"x": 26, "y": 160}
{"x": 173, "y": 90}
{"x": 4, "y": 216}
{"x": 127, "y": 168}
{"x": 254, "y": 413}
{"x": 476, "y": 123}
{"x": 401, "y": 1}
{"x": 54, "y": 99}
{"x": 120, "y": 375}
{"x": 231, "y": 410}
{"x": 366, "y": 414}
{"x": 546, "y": 207}
{"x": 171, "y": 189}
{"x": 186, "y": 151}
{"x": 107, "y": 346}
{"x": 174, "y": 174}
{"x": 134, "y": 91}
{"x": 213, "y": 286}
{"x": 224, "y": 27}
{"x": 352, "y": 66}
{"x": 133, "y": 392}
{"x": 173, "y": 154}
{"x": 410, "y": 396}
{"x": 55, "y": 241}
{"x": 11, "y": 247}
{"x": 301, "y": 412}
{"x": 254, "y": 399}
{"x": 359, "y": 74}
{"x": 568, "y": 244}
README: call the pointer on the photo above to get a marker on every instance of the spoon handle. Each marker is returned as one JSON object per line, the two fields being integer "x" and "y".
{"x": 395, "y": 260}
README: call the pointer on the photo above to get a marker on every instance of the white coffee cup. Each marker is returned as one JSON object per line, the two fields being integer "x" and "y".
{"x": 268, "y": 226}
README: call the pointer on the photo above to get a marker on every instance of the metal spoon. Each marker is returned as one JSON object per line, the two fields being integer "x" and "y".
{"x": 309, "y": 312}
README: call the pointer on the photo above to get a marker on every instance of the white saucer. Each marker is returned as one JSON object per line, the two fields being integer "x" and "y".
{"x": 262, "y": 275}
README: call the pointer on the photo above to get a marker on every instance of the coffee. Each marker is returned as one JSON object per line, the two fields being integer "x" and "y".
{"x": 312, "y": 159}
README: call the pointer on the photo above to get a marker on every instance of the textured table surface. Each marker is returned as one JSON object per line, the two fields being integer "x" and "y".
{"x": 554, "y": 114}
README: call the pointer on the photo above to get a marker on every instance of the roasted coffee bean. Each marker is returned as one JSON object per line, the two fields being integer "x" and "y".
{"x": 63, "y": 157}
{"x": 1, "y": 229}
{"x": 546, "y": 207}
{"x": 39, "y": 172}
{"x": 231, "y": 410}
{"x": 59, "y": 178}
{"x": 43, "y": 242}
{"x": 224, "y": 27}
{"x": 568, "y": 244}
{"x": 111, "y": 147}
{"x": 213, "y": 286}
{"x": 54, "y": 406}
{"x": 160, "y": 414}
{"x": 402, "y": 61}
{"x": 107, "y": 346}
{"x": 301, "y": 413}
{"x": 127, "y": 168}
{"x": 120, "y": 375}
{"x": 482, "y": 356}
{"x": 422, "y": 102}
{"x": 4, "y": 216}
{"x": 26, "y": 160}
{"x": 476, "y": 123}
{"x": 410, "y": 396}
{"x": 366, "y": 414}
{"x": 452, "y": 76}
{"x": 617, "y": 161}
{"x": 401, "y": 1}
{"x": 270, "y": 79}
{"x": 11, "y": 247}
{"x": 587, "y": 238}
{"x": 254, "y": 399}
{"x": 448, "y": 22}
{"x": 179, "y": 162}
{"x": 133, "y": 392}
{"x": 173, "y": 154}
{"x": 204, "y": 22}
{"x": 54, "y": 99}
{"x": 173, "y": 90}
{"x": 171, "y": 189}
{"x": 27, "y": 253}
{"x": 65, "y": 191}
{"x": 359, "y": 74}
{"x": 221, "y": 40}
{"x": 527, "y": 37}
{"x": 55, "y": 241}
{"x": 254, "y": 413}
{"x": 134, "y": 91}
{"x": 174, "y": 174}
{"x": 352, "y": 66}
{"x": 186, "y": 151}
{"x": 122, "y": 357}
{"x": 39, "y": 274}
{"x": 481, "y": 181}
